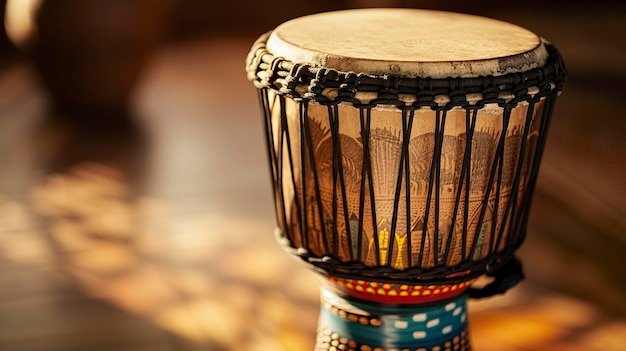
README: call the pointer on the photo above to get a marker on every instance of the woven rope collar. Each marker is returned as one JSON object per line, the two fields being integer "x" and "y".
{"x": 303, "y": 81}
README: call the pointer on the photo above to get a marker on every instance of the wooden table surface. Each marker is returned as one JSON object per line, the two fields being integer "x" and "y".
{"x": 158, "y": 234}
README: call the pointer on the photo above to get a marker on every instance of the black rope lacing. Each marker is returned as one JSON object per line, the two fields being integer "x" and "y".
{"x": 304, "y": 82}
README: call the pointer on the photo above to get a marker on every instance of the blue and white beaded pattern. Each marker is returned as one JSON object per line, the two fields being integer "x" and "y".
{"x": 371, "y": 327}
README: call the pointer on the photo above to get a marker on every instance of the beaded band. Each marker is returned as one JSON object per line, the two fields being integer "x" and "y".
{"x": 346, "y": 324}
{"x": 394, "y": 293}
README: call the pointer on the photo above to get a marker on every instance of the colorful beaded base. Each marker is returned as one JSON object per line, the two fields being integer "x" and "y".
{"x": 397, "y": 293}
{"x": 350, "y": 325}
{"x": 329, "y": 341}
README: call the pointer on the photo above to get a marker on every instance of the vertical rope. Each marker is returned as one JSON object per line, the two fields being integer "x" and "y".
{"x": 338, "y": 179}
{"x": 342, "y": 183}
{"x": 318, "y": 195}
{"x": 302, "y": 114}
{"x": 364, "y": 131}
{"x": 470, "y": 125}
{"x": 435, "y": 170}
{"x": 407, "y": 177}
{"x": 332, "y": 120}
{"x": 511, "y": 204}
{"x": 506, "y": 117}
{"x": 490, "y": 183}
{"x": 269, "y": 138}
{"x": 279, "y": 173}
{"x": 439, "y": 139}
{"x": 367, "y": 167}
{"x": 404, "y": 153}
{"x": 548, "y": 108}
{"x": 285, "y": 129}
{"x": 465, "y": 166}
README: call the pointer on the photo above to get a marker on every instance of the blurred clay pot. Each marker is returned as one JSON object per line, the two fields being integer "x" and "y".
{"x": 89, "y": 53}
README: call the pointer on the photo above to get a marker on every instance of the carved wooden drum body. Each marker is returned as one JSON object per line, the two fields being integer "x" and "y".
{"x": 404, "y": 146}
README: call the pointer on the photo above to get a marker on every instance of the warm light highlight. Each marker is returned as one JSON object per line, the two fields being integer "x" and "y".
{"x": 19, "y": 15}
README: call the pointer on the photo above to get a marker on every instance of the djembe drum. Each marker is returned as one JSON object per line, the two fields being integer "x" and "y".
{"x": 404, "y": 148}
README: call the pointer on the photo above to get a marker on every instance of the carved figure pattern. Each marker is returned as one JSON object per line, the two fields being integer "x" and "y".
{"x": 352, "y": 189}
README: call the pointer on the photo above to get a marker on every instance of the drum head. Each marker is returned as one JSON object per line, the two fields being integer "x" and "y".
{"x": 408, "y": 42}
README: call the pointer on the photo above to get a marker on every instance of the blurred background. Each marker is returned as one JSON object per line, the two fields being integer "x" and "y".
{"x": 135, "y": 203}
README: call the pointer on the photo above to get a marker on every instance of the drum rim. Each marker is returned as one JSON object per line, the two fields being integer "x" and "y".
{"x": 304, "y": 81}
